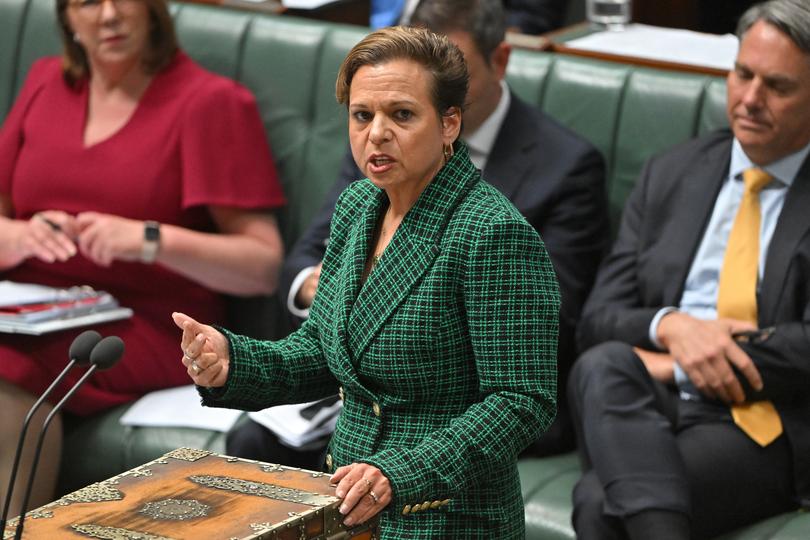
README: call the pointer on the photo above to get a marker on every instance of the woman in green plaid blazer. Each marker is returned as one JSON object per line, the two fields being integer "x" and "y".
{"x": 435, "y": 317}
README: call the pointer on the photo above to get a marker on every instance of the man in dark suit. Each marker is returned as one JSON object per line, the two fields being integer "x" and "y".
{"x": 524, "y": 16}
{"x": 691, "y": 400}
{"x": 553, "y": 176}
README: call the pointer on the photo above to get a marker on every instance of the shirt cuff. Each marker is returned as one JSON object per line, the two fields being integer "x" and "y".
{"x": 681, "y": 377}
{"x": 653, "y": 331}
{"x": 294, "y": 288}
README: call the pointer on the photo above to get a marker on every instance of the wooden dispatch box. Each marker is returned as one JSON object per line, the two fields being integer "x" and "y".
{"x": 197, "y": 494}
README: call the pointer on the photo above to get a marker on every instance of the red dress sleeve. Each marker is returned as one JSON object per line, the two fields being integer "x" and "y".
{"x": 11, "y": 132}
{"x": 225, "y": 158}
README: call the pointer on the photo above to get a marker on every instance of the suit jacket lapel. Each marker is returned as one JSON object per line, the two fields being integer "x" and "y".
{"x": 506, "y": 168}
{"x": 355, "y": 252}
{"x": 697, "y": 197}
{"x": 411, "y": 252}
{"x": 791, "y": 227}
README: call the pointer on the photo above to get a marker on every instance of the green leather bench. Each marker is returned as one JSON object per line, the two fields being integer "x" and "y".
{"x": 290, "y": 65}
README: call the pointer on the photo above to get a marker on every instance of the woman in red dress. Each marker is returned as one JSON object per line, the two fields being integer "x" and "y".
{"x": 123, "y": 141}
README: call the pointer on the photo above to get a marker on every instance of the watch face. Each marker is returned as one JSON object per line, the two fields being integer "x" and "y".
{"x": 152, "y": 232}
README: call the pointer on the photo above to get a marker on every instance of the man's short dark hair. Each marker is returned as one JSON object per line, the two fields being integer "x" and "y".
{"x": 484, "y": 20}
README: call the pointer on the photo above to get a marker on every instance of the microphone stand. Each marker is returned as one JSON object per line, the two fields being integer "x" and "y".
{"x": 79, "y": 353}
{"x": 103, "y": 355}
{"x": 21, "y": 442}
{"x": 38, "y": 450}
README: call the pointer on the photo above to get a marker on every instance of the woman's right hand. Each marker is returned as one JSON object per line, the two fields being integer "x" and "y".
{"x": 205, "y": 352}
{"x": 48, "y": 236}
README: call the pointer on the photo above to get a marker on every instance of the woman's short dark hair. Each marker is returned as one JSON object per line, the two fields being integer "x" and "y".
{"x": 162, "y": 44}
{"x": 443, "y": 60}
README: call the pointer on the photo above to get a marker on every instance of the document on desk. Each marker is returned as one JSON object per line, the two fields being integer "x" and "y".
{"x": 306, "y": 4}
{"x": 178, "y": 407}
{"x": 27, "y": 308}
{"x": 663, "y": 44}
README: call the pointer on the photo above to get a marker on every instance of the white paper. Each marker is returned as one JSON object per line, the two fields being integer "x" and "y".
{"x": 664, "y": 44}
{"x": 12, "y": 293}
{"x": 78, "y": 306}
{"x": 178, "y": 407}
{"x": 38, "y": 328}
{"x": 293, "y": 429}
{"x": 305, "y": 4}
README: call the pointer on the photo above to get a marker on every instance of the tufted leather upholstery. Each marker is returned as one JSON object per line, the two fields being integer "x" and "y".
{"x": 290, "y": 65}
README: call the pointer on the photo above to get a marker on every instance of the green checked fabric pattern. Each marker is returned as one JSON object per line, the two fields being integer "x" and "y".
{"x": 447, "y": 354}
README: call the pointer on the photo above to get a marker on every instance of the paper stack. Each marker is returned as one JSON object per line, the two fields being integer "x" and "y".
{"x": 178, "y": 407}
{"x": 301, "y": 424}
{"x": 36, "y": 309}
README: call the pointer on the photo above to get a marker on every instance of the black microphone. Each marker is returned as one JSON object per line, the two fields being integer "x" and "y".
{"x": 79, "y": 353}
{"x": 105, "y": 354}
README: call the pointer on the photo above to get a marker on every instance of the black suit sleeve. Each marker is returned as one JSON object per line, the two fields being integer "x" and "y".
{"x": 615, "y": 310}
{"x": 310, "y": 248}
{"x": 576, "y": 230}
{"x": 783, "y": 361}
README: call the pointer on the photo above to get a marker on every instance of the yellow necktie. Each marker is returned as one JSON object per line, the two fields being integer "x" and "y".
{"x": 737, "y": 298}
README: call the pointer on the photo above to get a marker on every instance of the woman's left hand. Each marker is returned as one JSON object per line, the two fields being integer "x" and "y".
{"x": 365, "y": 492}
{"x": 104, "y": 238}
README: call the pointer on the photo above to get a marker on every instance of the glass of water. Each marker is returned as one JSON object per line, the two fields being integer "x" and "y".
{"x": 609, "y": 14}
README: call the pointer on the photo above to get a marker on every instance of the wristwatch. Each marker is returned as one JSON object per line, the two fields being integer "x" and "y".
{"x": 151, "y": 241}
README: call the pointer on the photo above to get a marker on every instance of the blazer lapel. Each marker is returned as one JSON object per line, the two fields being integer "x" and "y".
{"x": 698, "y": 193}
{"x": 506, "y": 168}
{"x": 354, "y": 262}
{"x": 393, "y": 278}
{"x": 791, "y": 227}
{"x": 411, "y": 252}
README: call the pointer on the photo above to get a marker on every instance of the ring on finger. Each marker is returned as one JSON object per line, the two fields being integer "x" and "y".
{"x": 195, "y": 366}
{"x": 368, "y": 483}
{"x": 373, "y": 496}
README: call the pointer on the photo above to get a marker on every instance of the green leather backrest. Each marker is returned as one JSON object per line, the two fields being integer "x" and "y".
{"x": 713, "y": 108}
{"x": 658, "y": 111}
{"x": 38, "y": 37}
{"x": 12, "y": 16}
{"x": 328, "y": 138}
{"x": 628, "y": 113}
{"x": 586, "y": 96}
{"x": 288, "y": 64}
{"x": 213, "y": 37}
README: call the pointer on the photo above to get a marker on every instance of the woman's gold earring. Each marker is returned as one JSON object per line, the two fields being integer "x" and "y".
{"x": 448, "y": 151}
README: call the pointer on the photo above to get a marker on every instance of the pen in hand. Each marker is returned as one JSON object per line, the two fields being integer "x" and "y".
{"x": 66, "y": 246}
{"x": 52, "y": 224}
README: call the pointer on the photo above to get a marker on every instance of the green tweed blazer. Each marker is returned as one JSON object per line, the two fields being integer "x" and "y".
{"x": 445, "y": 356}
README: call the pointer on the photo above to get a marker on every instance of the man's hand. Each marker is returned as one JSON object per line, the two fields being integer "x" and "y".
{"x": 306, "y": 294}
{"x": 706, "y": 352}
{"x": 661, "y": 366}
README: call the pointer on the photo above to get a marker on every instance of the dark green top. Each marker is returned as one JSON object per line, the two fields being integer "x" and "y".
{"x": 447, "y": 354}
